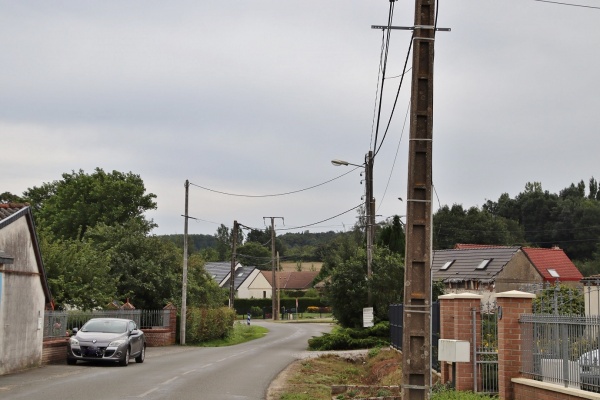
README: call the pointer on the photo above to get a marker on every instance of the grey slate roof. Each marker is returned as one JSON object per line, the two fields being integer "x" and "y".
{"x": 241, "y": 273}
{"x": 218, "y": 270}
{"x": 466, "y": 261}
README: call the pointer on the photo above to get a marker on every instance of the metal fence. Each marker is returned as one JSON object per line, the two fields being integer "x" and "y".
{"x": 485, "y": 348}
{"x": 562, "y": 349}
{"x": 57, "y": 323}
{"x": 395, "y": 313}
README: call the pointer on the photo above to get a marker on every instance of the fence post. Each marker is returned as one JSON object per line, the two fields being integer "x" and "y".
{"x": 511, "y": 305}
{"x": 172, "y": 321}
{"x": 456, "y": 322}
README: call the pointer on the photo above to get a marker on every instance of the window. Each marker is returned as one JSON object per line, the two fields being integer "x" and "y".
{"x": 484, "y": 263}
{"x": 447, "y": 265}
{"x": 553, "y": 273}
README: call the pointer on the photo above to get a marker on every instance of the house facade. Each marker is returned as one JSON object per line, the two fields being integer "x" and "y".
{"x": 486, "y": 270}
{"x": 24, "y": 292}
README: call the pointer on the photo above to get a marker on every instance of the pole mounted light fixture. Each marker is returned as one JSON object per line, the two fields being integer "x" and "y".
{"x": 338, "y": 163}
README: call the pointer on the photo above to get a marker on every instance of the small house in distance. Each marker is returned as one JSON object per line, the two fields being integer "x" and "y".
{"x": 486, "y": 270}
{"x": 24, "y": 292}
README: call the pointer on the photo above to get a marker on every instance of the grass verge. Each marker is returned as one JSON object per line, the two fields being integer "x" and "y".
{"x": 373, "y": 376}
{"x": 241, "y": 333}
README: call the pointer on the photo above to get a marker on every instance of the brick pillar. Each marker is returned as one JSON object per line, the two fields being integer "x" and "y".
{"x": 172, "y": 322}
{"x": 456, "y": 322}
{"x": 510, "y": 306}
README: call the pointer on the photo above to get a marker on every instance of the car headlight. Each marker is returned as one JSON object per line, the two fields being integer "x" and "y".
{"x": 73, "y": 341}
{"x": 116, "y": 343}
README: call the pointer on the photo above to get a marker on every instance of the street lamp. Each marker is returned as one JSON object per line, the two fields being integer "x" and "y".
{"x": 369, "y": 208}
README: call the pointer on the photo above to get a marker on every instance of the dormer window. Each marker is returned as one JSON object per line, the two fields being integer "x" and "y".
{"x": 447, "y": 265}
{"x": 484, "y": 263}
{"x": 553, "y": 273}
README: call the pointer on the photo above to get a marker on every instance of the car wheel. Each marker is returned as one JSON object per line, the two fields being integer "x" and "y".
{"x": 71, "y": 361}
{"x": 140, "y": 359}
{"x": 125, "y": 361}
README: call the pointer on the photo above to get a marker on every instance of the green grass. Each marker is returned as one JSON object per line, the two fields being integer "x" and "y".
{"x": 241, "y": 333}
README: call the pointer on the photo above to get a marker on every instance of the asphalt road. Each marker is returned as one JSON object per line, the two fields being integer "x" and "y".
{"x": 237, "y": 372}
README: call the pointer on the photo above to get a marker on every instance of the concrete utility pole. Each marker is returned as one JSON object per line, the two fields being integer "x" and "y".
{"x": 416, "y": 340}
{"x": 185, "y": 268}
{"x": 370, "y": 218}
{"x": 233, "y": 262}
{"x": 273, "y": 268}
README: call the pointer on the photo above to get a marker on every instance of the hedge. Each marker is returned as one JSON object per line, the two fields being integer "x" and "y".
{"x": 207, "y": 324}
{"x": 242, "y": 306}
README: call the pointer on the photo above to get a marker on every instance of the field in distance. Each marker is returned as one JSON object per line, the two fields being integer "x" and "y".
{"x": 305, "y": 266}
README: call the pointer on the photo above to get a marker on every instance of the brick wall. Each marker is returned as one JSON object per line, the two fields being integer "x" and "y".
{"x": 456, "y": 316}
{"x": 510, "y": 306}
{"x": 54, "y": 351}
{"x": 536, "y": 390}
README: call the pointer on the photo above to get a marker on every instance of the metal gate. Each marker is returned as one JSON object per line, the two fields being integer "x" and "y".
{"x": 485, "y": 348}
{"x": 395, "y": 313}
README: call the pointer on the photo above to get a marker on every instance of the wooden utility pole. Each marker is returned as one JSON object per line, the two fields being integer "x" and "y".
{"x": 273, "y": 269}
{"x": 185, "y": 268}
{"x": 233, "y": 262}
{"x": 416, "y": 341}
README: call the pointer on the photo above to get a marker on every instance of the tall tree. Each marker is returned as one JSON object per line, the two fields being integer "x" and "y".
{"x": 147, "y": 268}
{"x": 457, "y": 225}
{"x": 78, "y": 274}
{"x": 348, "y": 287}
{"x": 391, "y": 235}
{"x": 69, "y": 207}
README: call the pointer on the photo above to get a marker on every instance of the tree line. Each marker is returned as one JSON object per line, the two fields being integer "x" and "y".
{"x": 97, "y": 244}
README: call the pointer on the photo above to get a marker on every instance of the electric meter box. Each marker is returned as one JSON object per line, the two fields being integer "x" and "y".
{"x": 451, "y": 350}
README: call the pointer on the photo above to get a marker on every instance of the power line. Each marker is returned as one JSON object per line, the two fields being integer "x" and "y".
{"x": 567, "y": 4}
{"x": 275, "y": 194}
{"x": 335, "y": 216}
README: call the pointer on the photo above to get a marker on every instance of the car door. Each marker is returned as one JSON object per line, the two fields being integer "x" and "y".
{"x": 135, "y": 338}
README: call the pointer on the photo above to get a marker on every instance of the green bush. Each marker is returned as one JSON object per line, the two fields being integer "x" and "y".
{"x": 208, "y": 324}
{"x": 353, "y": 338}
{"x": 256, "y": 311}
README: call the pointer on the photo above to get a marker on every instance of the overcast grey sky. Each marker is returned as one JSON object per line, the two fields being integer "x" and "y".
{"x": 256, "y": 98}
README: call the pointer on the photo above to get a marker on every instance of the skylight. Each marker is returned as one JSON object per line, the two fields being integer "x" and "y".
{"x": 553, "y": 273}
{"x": 484, "y": 263}
{"x": 447, "y": 265}
{"x": 240, "y": 274}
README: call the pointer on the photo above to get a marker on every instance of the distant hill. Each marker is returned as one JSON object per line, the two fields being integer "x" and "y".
{"x": 196, "y": 242}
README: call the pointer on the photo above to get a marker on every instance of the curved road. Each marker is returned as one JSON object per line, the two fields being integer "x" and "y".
{"x": 237, "y": 372}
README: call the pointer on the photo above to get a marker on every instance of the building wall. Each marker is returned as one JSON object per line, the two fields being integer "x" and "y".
{"x": 244, "y": 291}
{"x": 517, "y": 272}
{"x": 22, "y": 301}
{"x": 259, "y": 287}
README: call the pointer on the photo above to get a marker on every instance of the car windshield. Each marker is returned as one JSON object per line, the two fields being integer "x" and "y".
{"x": 106, "y": 326}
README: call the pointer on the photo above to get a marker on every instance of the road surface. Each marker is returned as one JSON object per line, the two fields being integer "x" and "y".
{"x": 240, "y": 372}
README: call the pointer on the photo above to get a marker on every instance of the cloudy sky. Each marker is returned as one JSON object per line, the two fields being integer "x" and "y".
{"x": 256, "y": 98}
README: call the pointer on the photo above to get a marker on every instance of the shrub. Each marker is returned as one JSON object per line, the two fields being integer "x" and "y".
{"x": 352, "y": 338}
{"x": 207, "y": 324}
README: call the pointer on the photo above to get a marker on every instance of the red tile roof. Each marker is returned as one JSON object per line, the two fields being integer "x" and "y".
{"x": 553, "y": 259}
{"x": 469, "y": 246}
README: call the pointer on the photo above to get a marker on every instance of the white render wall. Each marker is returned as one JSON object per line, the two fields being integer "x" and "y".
{"x": 22, "y": 301}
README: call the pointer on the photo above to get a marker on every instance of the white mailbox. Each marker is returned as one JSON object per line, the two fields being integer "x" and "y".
{"x": 451, "y": 350}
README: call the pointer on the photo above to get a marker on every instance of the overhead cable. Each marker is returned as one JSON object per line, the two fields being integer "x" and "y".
{"x": 276, "y": 194}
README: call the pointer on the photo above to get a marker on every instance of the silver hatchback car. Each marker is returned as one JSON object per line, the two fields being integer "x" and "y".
{"x": 107, "y": 339}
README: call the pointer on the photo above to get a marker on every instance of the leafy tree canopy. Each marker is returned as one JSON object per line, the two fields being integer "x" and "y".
{"x": 69, "y": 207}
{"x": 348, "y": 287}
